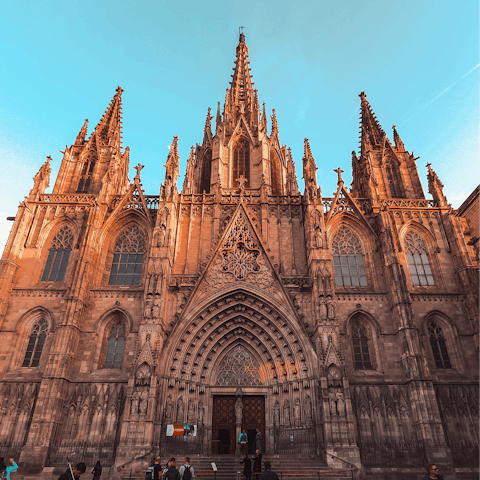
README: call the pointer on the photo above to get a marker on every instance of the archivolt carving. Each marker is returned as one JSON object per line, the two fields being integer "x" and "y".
{"x": 233, "y": 318}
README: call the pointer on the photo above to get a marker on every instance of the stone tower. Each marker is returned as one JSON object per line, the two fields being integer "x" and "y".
{"x": 343, "y": 328}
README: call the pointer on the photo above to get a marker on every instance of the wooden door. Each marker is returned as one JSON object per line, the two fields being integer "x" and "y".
{"x": 223, "y": 419}
{"x": 254, "y": 416}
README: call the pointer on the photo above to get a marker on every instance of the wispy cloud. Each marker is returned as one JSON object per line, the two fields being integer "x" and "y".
{"x": 444, "y": 91}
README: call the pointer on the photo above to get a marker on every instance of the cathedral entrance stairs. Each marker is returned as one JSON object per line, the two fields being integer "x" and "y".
{"x": 287, "y": 467}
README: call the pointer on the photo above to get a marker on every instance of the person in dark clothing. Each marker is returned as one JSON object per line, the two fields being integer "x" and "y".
{"x": 172, "y": 473}
{"x": 268, "y": 474}
{"x": 257, "y": 463}
{"x": 157, "y": 468}
{"x": 432, "y": 473}
{"x": 77, "y": 471}
{"x": 247, "y": 468}
{"x": 97, "y": 471}
{"x": 258, "y": 440}
{"x": 3, "y": 467}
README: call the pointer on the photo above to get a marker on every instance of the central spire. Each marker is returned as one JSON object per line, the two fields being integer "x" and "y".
{"x": 241, "y": 98}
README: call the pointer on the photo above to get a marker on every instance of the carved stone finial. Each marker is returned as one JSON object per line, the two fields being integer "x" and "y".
{"x": 138, "y": 168}
{"x": 241, "y": 182}
{"x": 339, "y": 172}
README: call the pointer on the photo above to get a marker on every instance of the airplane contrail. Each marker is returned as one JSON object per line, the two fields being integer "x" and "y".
{"x": 445, "y": 90}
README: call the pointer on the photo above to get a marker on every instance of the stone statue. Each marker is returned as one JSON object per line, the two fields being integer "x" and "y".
{"x": 296, "y": 411}
{"x": 308, "y": 408}
{"x": 330, "y": 308}
{"x": 161, "y": 235}
{"x": 180, "y": 410}
{"x": 276, "y": 413}
{"x": 340, "y": 404}
{"x": 191, "y": 412}
{"x": 318, "y": 239}
{"x": 143, "y": 403}
{"x": 134, "y": 404}
{"x": 286, "y": 412}
{"x": 200, "y": 413}
{"x": 323, "y": 307}
{"x": 169, "y": 409}
{"x": 332, "y": 403}
{"x": 238, "y": 410}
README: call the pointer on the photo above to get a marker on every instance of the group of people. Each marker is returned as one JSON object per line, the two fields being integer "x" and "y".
{"x": 186, "y": 471}
{"x": 257, "y": 468}
{"x": 80, "y": 469}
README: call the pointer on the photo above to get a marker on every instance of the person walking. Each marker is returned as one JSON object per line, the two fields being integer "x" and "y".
{"x": 243, "y": 441}
{"x": 258, "y": 440}
{"x": 432, "y": 473}
{"x": 186, "y": 470}
{"x": 247, "y": 467}
{"x": 97, "y": 471}
{"x": 268, "y": 474}
{"x": 67, "y": 474}
{"x": 172, "y": 473}
{"x": 157, "y": 468}
{"x": 257, "y": 464}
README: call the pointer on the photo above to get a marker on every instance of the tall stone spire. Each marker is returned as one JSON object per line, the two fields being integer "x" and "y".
{"x": 80, "y": 140}
{"x": 435, "y": 187}
{"x": 241, "y": 98}
{"x": 172, "y": 171}
{"x": 309, "y": 172}
{"x": 371, "y": 132}
{"x": 398, "y": 141}
{"x": 109, "y": 129}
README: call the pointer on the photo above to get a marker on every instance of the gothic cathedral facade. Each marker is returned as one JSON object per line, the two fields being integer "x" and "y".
{"x": 346, "y": 325}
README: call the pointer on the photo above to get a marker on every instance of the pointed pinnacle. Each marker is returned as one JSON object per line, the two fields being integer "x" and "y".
{"x": 191, "y": 157}
{"x": 208, "y": 121}
{"x": 307, "y": 152}
{"x": 274, "y": 122}
{"x": 174, "y": 147}
{"x": 80, "y": 140}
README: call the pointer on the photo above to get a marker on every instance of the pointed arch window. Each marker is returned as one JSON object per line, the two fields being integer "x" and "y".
{"x": 393, "y": 179}
{"x": 348, "y": 260}
{"x": 115, "y": 343}
{"x": 241, "y": 161}
{"x": 58, "y": 256}
{"x": 418, "y": 260}
{"x": 275, "y": 173}
{"x": 36, "y": 343}
{"x": 439, "y": 346}
{"x": 128, "y": 258}
{"x": 206, "y": 172}
{"x": 361, "y": 352}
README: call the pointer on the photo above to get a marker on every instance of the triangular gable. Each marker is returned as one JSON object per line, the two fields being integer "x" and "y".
{"x": 133, "y": 199}
{"x": 242, "y": 129}
{"x": 388, "y": 146}
{"x": 145, "y": 355}
{"x": 332, "y": 356}
{"x": 343, "y": 202}
{"x": 240, "y": 257}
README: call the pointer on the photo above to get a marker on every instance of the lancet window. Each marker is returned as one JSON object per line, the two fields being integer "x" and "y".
{"x": 206, "y": 172}
{"x": 87, "y": 172}
{"x": 418, "y": 260}
{"x": 128, "y": 258}
{"x": 241, "y": 161}
{"x": 115, "y": 342}
{"x": 58, "y": 256}
{"x": 361, "y": 353}
{"x": 439, "y": 346}
{"x": 348, "y": 260}
{"x": 36, "y": 343}
{"x": 275, "y": 173}
{"x": 393, "y": 179}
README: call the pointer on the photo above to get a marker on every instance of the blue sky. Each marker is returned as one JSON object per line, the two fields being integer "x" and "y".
{"x": 417, "y": 61}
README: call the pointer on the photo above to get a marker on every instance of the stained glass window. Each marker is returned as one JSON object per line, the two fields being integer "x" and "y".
{"x": 241, "y": 161}
{"x": 35, "y": 345}
{"x": 439, "y": 347}
{"x": 361, "y": 353}
{"x": 116, "y": 340}
{"x": 239, "y": 368}
{"x": 58, "y": 256}
{"x": 348, "y": 260}
{"x": 128, "y": 258}
{"x": 418, "y": 260}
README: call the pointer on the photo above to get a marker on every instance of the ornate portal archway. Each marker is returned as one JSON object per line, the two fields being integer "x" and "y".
{"x": 242, "y": 341}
